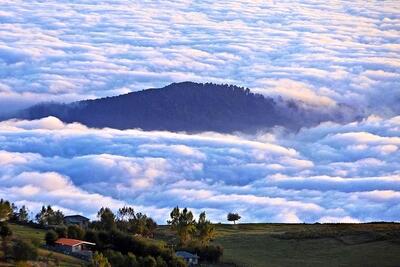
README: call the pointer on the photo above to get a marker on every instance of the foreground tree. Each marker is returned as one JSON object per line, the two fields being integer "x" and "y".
{"x": 47, "y": 216}
{"x": 6, "y": 210}
{"x": 107, "y": 219}
{"x": 126, "y": 214}
{"x": 22, "y": 215}
{"x": 135, "y": 223}
{"x": 205, "y": 230}
{"x": 233, "y": 217}
{"x": 183, "y": 223}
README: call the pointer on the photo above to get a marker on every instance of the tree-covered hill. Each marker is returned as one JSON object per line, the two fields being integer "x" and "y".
{"x": 187, "y": 106}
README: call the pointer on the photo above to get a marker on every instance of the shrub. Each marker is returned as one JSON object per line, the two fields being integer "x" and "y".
{"x": 131, "y": 260}
{"x": 36, "y": 242}
{"x": 161, "y": 262}
{"x": 24, "y": 251}
{"x": 99, "y": 261}
{"x": 75, "y": 232}
{"x": 61, "y": 231}
{"x": 51, "y": 237}
{"x": 149, "y": 261}
{"x": 207, "y": 253}
{"x": 92, "y": 236}
{"x": 115, "y": 258}
{"x": 5, "y": 231}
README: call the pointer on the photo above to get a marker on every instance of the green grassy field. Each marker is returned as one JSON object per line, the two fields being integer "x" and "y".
{"x": 310, "y": 245}
{"x": 264, "y": 245}
{"x": 36, "y": 235}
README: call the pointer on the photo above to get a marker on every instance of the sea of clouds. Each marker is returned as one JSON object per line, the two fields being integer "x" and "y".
{"x": 330, "y": 173}
{"x": 322, "y": 53}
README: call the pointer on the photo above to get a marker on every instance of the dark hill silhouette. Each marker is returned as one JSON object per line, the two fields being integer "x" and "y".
{"x": 186, "y": 106}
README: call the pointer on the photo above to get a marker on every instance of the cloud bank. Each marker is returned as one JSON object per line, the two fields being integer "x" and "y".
{"x": 321, "y": 53}
{"x": 331, "y": 172}
{"x": 334, "y": 54}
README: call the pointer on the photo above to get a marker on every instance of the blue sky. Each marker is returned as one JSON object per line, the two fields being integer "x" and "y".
{"x": 324, "y": 55}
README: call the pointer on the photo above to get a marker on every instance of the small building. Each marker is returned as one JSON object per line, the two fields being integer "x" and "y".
{"x": 191, "y": 259}
{"x": 79, "y": 220}
{"x": 75, "y": 247}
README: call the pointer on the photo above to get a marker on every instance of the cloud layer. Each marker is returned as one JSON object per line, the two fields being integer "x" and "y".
{"x": 331, "y": 172}
{"x": 318, "y": 52}
{"x": 321, "y": 53}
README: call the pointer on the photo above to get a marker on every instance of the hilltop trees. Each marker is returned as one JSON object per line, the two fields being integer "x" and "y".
{"x": 22, "y": 215}
{"x": 107, "y": 218}
{"x": 195, "y": 236}
{"x": 47, "y": 216}
{"x": 233, "y": 217}
{"x": 183, "y": 223}
{"x": 188, "y": 229}
{"x": 136, "y": 223}
{"x": 205, "y": 230}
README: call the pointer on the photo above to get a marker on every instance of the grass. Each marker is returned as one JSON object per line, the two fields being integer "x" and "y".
{"x": 272, "y": 245}
{"x": 37, "y": 235}
{"x": 310, "y": 245}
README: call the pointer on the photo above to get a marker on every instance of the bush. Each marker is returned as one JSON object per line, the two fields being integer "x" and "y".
{"x": 177, "y": 262}
{"x": 99, "y": 261}
{"x": 125, "y": 244}
{"x": 5, "y": 231}
{"x": 24, "y": 251}
{"x": 36, "y": 242}
{"x": 131, "y": 260}
{"x": 207, "y": 253}
{"x": 161, "y": 262}
{"x": 149, "y": 261}
{"x": 92, "y": 236}
{"x": 115, "y": 258}
{"x": 75, "y": 232}
{"x": 61, "y": 231}
{"x": 51, "y": 237}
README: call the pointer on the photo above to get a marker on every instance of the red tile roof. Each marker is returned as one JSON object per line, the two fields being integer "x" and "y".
{"x": 72, "y": 242}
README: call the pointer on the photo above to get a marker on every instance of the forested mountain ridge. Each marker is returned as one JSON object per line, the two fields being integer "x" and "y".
{"x": 186, "y": 106}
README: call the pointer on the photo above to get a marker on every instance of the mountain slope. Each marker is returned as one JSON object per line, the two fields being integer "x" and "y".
{"x": 187, "y": 106}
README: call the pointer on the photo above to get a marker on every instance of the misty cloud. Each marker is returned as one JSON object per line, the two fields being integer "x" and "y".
{"x": 331, "y": 172}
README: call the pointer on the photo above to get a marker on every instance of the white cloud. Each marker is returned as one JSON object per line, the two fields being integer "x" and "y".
{"x": 321, "y": 53}
{"x": 305, "y": 177}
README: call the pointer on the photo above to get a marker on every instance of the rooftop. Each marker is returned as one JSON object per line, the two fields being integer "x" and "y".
{"x": 80, "y": 217}
{"x": 186, "y": 255}
{"x": 72, "y": 242}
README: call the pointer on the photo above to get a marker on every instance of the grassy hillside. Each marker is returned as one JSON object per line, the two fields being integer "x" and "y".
{"x": 37, "y": 236}
{"x": 310, "y": 245}
{"x": 270, "y": 245}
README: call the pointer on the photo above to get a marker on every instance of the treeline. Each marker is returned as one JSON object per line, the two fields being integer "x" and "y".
{"x": 122, "y": 239}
